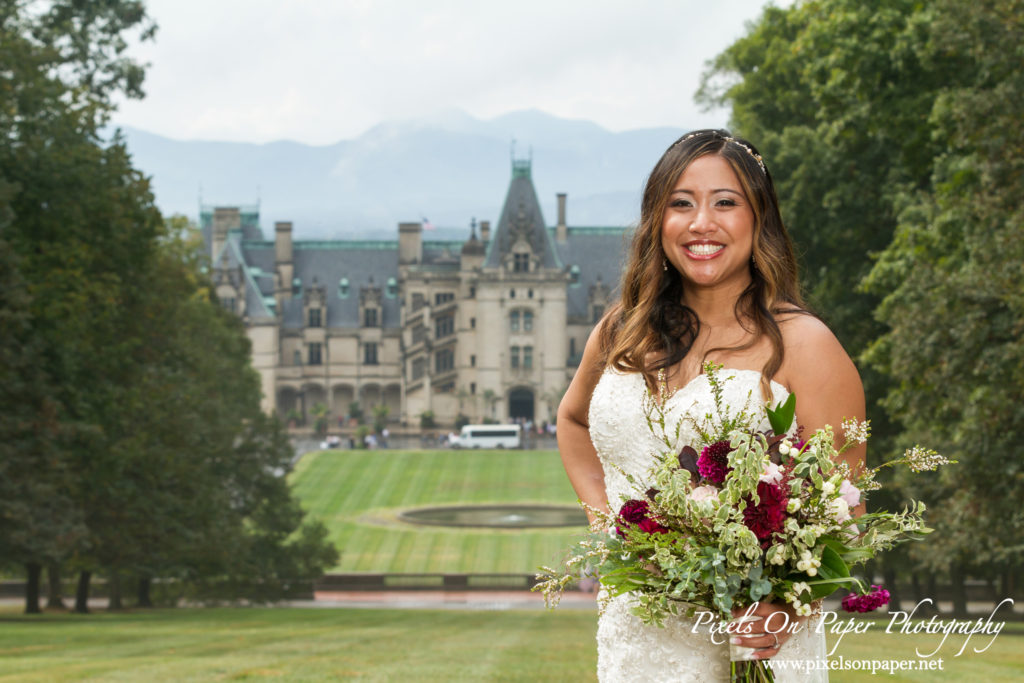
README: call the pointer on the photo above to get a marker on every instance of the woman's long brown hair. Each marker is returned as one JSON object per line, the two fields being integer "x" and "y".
{"x": 650, "y": 328}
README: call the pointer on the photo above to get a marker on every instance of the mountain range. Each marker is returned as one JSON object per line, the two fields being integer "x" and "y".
{"x": 446, "y": 168}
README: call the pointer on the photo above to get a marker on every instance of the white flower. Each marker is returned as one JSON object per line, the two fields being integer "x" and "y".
{"x": 793, "y": 505}
{"x": 803, "y": 565}
{"x": 828, "y": 488}
{"x": 856, "y": 431}
{"x": 923, "y": 459}
{"x": 772, "y": 474}
{"x": 812, "y": 571}
{"x": 802, "y": 610}
{"x": 840, "y": 509}
{"x": 801, "y": 586}
{"x": 785, "y": 447}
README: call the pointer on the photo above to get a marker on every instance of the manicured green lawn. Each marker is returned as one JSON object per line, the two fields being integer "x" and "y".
{"x": 359, "y": 494}
{"x": 300, "y": 645}
{"x": 387, "y": 645}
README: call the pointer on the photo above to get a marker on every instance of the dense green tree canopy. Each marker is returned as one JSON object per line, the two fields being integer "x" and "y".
{"x": 131, "y": 440}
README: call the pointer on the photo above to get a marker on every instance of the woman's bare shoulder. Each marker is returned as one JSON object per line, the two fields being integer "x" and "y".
{"x": 810, "y": 345}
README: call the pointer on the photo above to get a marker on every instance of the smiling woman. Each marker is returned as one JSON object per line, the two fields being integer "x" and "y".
{"x": 711, "y": 278}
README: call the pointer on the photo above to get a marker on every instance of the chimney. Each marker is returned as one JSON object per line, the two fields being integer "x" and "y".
{"x": 561, "y": 230}
{"x": 410, "y": 243}
{"x": 283, "y": 260}
{"x": 485, "y": 231}
{"x": 225, "y": 219}
{"x": 283, "y": 242}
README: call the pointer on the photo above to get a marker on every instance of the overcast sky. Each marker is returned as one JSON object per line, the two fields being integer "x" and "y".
{"x": 319, "y": 71}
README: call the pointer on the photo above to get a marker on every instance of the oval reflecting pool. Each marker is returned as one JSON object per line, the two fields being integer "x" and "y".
{"x": 497, "y": 516}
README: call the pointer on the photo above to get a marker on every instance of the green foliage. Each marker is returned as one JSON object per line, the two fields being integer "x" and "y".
{"x": 781, "y": 417}
{"x": 131, "y": 436}
{"x": 362, "y": 431}
{"x": 319, "y": 412}
{"x": 355, "y": 411}
{"x": 380, "y": 417}
{"x": 427, "y": 420}
{"x": 951, "y": 287}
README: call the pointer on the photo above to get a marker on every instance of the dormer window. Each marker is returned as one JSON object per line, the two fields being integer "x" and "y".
{"x": 520, "y": 263}
{"x": 370, "y": 317}
{"x": 314, "y": 317}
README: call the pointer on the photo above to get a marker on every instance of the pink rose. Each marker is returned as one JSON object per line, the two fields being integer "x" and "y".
{"x": 849, "y": 493}
{"x": 772, "y": 474}
{"x": 702, "y": 493}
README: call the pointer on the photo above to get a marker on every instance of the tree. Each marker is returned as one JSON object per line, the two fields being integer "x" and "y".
{"x": 39, "y": 522}
{"x": 380, "y": 417}
{"x": 80, "y": 220}
{"x": 319, "y": 412}
{"x": 133, "y": 443}
{"x": 952, "y": 294}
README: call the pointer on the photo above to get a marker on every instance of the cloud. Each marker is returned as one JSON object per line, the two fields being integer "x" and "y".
{"x": 319, "y": 72}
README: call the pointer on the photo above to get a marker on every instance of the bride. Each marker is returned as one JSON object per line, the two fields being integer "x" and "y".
{"x": 711, "y": 276}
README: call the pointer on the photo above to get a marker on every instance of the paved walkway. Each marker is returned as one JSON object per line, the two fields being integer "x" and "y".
{"x": 473, "y": 600}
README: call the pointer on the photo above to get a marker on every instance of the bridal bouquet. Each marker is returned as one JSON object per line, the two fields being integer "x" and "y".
{"x": 746, "y": 516}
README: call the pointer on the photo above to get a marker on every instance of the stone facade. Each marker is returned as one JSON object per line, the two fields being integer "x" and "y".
{"x": 491, "y": 327}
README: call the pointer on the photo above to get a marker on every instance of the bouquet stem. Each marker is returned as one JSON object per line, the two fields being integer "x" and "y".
{"x": 752, "y": 671}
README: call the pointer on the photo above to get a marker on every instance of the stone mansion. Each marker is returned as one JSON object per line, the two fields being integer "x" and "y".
{"x": 490, "y": 327}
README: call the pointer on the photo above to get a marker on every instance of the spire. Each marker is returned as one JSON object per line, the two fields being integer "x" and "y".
{"x": 521, "y": 222}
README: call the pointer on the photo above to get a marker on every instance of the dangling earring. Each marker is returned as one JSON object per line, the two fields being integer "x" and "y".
{"x": 664, "y": 264}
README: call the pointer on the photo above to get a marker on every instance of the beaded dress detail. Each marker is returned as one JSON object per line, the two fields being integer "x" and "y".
{"x": 628, "y": 649}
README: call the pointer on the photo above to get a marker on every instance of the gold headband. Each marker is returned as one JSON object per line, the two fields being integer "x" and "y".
{"x": 751, "y": 152}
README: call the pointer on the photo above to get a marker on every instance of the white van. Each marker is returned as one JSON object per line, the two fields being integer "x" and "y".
{"x": 488, "y": 436}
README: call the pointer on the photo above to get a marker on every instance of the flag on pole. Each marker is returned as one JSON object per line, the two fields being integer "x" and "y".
{"x": 427, "y": 225}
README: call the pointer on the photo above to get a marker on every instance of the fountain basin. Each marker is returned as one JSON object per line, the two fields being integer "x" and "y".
{"x": 499, "y": 516}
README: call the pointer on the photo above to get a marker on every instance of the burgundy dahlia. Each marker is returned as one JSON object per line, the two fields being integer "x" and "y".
{"x": 868, "y": 602}
{"x": 632, "y": 512}
{"x": 637, "y": 512}
{"x": 649, "y": 526}
{"x": 713, "y": 462}
{"x": 769, "y": 515}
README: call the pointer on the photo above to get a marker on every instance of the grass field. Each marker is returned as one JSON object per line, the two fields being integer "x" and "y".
{"x": 387, "y": 645}
{"x": 358, "y": 495}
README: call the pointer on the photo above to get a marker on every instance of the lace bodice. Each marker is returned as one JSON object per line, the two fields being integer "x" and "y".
{"x": 629, "y": 650}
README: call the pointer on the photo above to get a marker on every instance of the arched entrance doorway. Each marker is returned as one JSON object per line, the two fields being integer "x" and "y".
{"x": 520, "y": 404}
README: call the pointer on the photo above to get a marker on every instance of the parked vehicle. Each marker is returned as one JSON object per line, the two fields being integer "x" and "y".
{"x": 489, "y": 436}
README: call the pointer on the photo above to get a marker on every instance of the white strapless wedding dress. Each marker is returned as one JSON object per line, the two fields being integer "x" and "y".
{"x": 627, "y": 649}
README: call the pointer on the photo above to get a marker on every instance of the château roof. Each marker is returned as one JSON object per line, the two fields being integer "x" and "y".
{"x": 357, "y": 263}
{"x": 521, "y": 218}
{"x": 592, "y": 254}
